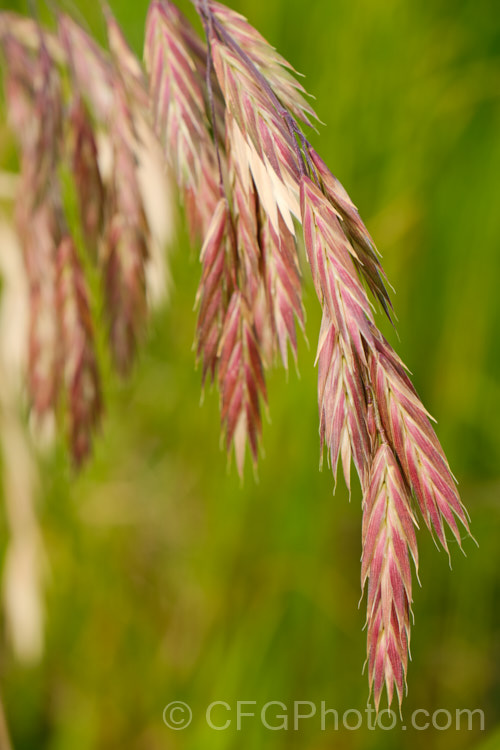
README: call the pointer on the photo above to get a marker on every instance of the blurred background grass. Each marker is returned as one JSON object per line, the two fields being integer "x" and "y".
{"x": 169, "y": 580}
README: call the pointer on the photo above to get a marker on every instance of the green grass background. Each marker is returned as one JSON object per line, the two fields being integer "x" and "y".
{"x": 171, "y": 581}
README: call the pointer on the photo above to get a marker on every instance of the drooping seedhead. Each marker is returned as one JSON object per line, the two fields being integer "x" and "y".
{"x": 271, "y": 183}
{"x": 228, "y": 112}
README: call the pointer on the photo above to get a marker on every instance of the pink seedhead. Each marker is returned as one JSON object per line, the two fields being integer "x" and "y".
{"x": 229, "y": 113}
{"x": 369, "y": 411}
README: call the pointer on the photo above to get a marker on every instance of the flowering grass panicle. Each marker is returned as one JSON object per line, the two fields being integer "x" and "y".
{"x": 369, "y": 411}
{"x": 229, "y": 113}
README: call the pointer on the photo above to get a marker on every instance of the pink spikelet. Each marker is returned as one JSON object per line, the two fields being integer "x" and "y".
{"x": 335, "y": 277}
{"x": 47, "y": 118}
{"x": 91, "y": 71}
{"x": 361, "y": 244}
{"x": 35, "y": 112}
{"x": 241, "y": 380}
{"x": 176, "y": 61}
{"x": 177, "y": 87}
{"x": 414, "y": 441}
{"x": 86, "y": 173}
{"x": 258, "y": 134}
{"x": 81, "y": 376}
{"x": 342, "y": 404}
{"x": 266, "y": 249}
{"x": 33, "y": 94}
{"x": 263, "y": 185}
{"x": 126, "y": 245}
{"x": 388, "y": 544}
{"x": 40, "y": 235}
{"x": 341, "y": 354}
{"x": 130, "y": 69}
{"x": 282, "y": 281}
{"x": 215, "y": 288}
{"x": 125, "y": 290}
{"x": 270, "y": 63}
{"x": 249, "y": 254}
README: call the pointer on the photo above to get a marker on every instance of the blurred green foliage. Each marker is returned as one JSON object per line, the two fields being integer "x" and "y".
{"x": 169, "y": 580}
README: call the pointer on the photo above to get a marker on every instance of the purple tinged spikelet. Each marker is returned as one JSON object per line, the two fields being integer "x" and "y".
{"x": 40, "y": 232}
{"x": 85, "y": 167}
{"x": 414, "y": 441}
{"x": 228, "y": 341}
{"x": 91, "y": 70}
{"x": 241, "y": 380}
{"x": 362, "y": 246}
{"x": 129, "y": 68}
{"x": 125, "y": 289}
{"x": 282, "y": 282}
{"x": 388, "y": 544}
{"x": 334, "y": 273}
{"x": 177, "y": 91}
{"x": 125, "y": 249}
{"x": 80, "y": 375}
{"x": 214, "y": 289}
{"x": 342, "y": 405}
{"x": 259, "y": 136}
{"x": 33, "y": 97}
{"x": 270, "y": 63}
